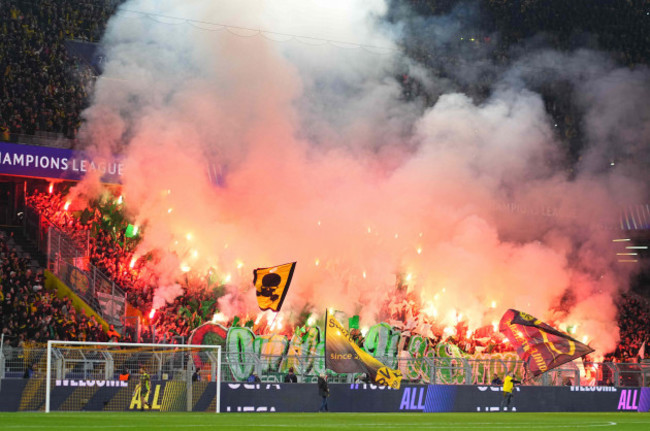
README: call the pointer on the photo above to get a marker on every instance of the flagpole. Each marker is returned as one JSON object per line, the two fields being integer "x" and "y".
{"x": 274, "y": 318}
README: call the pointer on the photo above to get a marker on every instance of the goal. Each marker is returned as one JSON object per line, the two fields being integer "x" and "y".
{"x": 94, "y": 376}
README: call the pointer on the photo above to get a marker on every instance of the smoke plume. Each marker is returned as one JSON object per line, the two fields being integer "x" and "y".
{"x": 258, "y": 133}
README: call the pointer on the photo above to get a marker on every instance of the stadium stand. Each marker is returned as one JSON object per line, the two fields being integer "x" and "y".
{"x": 43, "y": 90}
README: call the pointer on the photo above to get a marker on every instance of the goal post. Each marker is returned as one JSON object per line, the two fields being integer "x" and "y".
{"x": 99, "y": 376}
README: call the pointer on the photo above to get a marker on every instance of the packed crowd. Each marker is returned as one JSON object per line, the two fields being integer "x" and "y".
{"x": 113, "y": 254}
{"x": 174, "y": 321}
{"x": 31, "y": 314}
{"x": 634, "y": 325}
{"x": 465, "y": 45}
{"x": 42, "y": 87}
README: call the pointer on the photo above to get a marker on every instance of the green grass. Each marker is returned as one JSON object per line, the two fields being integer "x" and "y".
{"x": 325, "y": 421}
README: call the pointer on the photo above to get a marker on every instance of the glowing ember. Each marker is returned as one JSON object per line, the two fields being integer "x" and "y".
{"x": 219, "y": 318}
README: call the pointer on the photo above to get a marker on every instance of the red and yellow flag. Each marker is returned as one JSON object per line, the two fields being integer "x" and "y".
{"x": 342, "y": 355}
{"x": 540, "y": 345}
{"x": 272, "y": 284}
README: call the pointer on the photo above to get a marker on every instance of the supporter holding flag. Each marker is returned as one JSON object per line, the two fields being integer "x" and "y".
{"x": 342, "y": 355}
{"x": 538, "y": 344}
{"x": 272, "y": 284}
{"x": 641, "y": 352}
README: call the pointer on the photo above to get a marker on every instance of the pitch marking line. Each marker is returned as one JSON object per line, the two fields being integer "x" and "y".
{"x": 500, "y": 425}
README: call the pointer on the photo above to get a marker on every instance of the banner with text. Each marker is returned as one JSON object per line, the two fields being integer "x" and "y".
{"x": 55, "y": 163}
{"x": 342, "y": 355}
{"x": 540, "y": 345}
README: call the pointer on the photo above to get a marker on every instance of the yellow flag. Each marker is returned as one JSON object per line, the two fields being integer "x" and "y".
{"x": 272, "y": 284}
{"x": 342, "y": 355}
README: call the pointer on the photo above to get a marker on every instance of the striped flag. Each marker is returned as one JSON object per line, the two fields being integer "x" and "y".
{"x": 538, "y": 344}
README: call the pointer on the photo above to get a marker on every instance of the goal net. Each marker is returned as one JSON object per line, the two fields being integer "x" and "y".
{"x": 93, "y": 376}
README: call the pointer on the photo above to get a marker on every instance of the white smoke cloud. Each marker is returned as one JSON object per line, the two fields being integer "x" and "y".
{"x": 326, "y": 164}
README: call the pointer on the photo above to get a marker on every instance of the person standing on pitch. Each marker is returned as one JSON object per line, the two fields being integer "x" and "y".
{"x": 508, "y": 386}
{"x": 324, "y": 392}
{"x": 145, "y": 388}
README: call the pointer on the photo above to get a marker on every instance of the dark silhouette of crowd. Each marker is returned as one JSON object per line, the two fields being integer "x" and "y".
{"x": 43, "y": 88}
{"x": 634, "y": 326}
{"x": 466, "y": 45}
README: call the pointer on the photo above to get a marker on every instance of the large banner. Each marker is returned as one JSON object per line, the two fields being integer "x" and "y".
{"x": 540, "y": 345}
{"x": 342, "y": 355}
{"x": 55, "y": 163}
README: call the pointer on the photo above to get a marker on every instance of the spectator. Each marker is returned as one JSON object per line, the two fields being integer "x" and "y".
{"x": 291, "y": 377}
{"x": 253, "y": 378}
{"x": 29, "y": 372}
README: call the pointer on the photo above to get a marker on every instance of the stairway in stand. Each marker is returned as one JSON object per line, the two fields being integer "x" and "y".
{"x": 16, "y": 239}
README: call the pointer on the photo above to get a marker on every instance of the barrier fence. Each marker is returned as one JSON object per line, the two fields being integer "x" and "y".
{"x": 237, "y": 367}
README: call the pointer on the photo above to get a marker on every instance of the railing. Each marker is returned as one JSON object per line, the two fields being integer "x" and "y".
{"x": 68, "y": 258}
{"x": 237, "y": 367}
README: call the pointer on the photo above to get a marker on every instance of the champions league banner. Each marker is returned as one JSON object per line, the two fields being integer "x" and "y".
{"x": 90, "y": 395}
{"x": 54, "y": 163}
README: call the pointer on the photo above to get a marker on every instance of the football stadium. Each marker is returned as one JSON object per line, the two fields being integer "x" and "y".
{"x": 242, "y": 214}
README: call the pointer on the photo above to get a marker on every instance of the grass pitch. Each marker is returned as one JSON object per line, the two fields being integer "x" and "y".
{"x": 326, "y": 421}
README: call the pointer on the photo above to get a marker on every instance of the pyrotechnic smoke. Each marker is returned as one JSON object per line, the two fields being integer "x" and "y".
{"x": 322, "y": 160}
